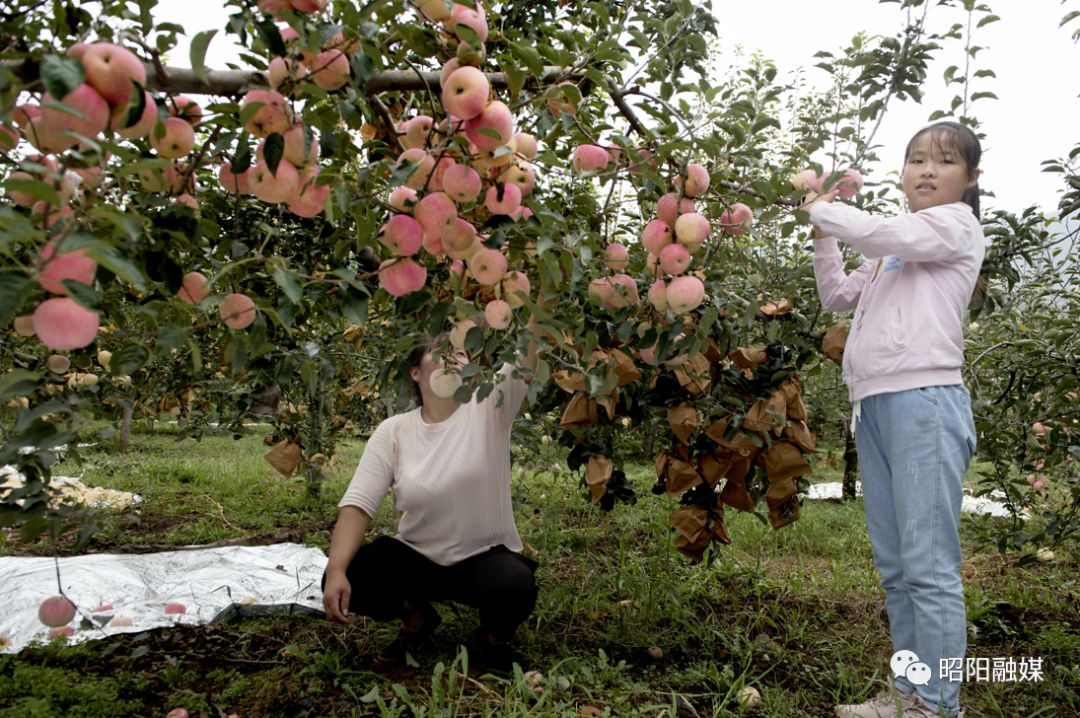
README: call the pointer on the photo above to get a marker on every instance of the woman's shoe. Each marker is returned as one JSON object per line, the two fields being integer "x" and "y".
{"x": 400, "y": 650}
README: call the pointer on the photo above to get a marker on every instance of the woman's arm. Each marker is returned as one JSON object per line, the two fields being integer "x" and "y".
{"x": 349, "y": 532}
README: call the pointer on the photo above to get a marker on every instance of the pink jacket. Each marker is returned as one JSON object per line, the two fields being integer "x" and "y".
{"x": 909, "y": 297}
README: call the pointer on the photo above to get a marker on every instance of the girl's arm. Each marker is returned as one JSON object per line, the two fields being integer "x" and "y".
{"x": 937, "y": 234}
{"x": 349, "y": 532}
{"x": 838, "y": 290}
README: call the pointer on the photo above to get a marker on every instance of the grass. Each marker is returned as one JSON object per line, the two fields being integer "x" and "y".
{"x": 797, "y": 613}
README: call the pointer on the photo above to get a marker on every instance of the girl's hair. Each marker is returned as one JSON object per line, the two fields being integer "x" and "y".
{"x": 417, "y": 355}
{"x": 962, "y": 140}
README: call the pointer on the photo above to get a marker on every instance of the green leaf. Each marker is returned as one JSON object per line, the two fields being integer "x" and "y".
{"x": 61, "y": 75}
{"x": 287, "y": 281}
{"x": 355, "y": 308}
{"x": 272, "y": 151}
{"x": 515, "y": 76}
{"x": 119, "y": 265}
{"x": 199, "y": 45}
{"x": 17, "y": 382}
{"x": 362, "y": 66}
{"x": 242, "y": 160}
{"x": 136, "y": 107}
{"x": 528, "y": 55}
{"x": 15, "y": 288}
{"x": 35, "y": 188}
{"x": 129, "y": 358}
{"x": 271, "y": 35}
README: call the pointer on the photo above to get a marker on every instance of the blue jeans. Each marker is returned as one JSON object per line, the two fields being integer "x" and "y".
{"x": 914, "y": 447}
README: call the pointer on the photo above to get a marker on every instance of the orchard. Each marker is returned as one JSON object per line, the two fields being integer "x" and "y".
{"x": 257, "y": 249}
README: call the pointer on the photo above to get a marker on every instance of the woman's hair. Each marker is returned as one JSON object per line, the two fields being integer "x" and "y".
{"x": 962, "y": 140}
{"x": 417, "y": 355}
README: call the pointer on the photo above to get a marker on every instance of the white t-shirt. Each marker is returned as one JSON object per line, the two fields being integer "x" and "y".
{"x": 450, "y": 480}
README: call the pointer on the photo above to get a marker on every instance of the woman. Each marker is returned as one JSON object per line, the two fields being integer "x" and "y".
{"x": 448, "y": 467}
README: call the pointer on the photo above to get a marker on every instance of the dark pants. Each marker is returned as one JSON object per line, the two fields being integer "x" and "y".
{"x": 386, "y": 573}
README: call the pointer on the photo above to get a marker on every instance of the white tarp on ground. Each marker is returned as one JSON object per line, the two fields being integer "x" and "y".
{"x": 971, "y": 504}
{"x": 212, "y": 583}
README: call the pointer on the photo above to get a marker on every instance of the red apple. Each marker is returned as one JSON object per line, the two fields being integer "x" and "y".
{"x": 402, "y": 235}
{"x": 503, "y": 199}
{"x": 658, "y": 295}
{"x": 185, "y": 108}
{"x": 674, "y": 259}
{"x": 274, "y": 188}
{"x": 616, "y": 256}
{"x": 177, "y": 141}
{"x": 466, "y": 93}
{"x": 697, "y": 180}
{"x": 462, "y": 183}
{"x": 62, "y": 324}
{"x": 237, "y": 310}
{"x": 311, "y": 198}
{"x": 498, "y": 314}
{"x": 526, "y": 145}
{"x": 422, "y": 165}
{"x": 737, "y": 220}
{"x": 92, "y": 112}
{"x": 515, "y": 288}
{"x": 493, "y": 127}
{"x": 111, "y": 69}
{"x": 434, "y": 213}
{"x": 417, "y": 131}
{"x": 401, "y": 276}
{"x": 194, "y": 288}
{"x": 232, "y": 182}
{"x": 56, "y": 611}
{"x": 685, "y": 294}
{"x": 330, "y": 70}
{"x": 656, "y": 235}
{"x": 402, "y": 199}
{"x": 669, "y": 207}
{"x": 55, "y": 268}
{"x": 459, "y": 239}
{"x": 299, "y": 151}
{"x": 273, "y": 113}
{"x": 590, "y": 158}
{"x": 488, "y": 266}
{"x": 691, "y": 230}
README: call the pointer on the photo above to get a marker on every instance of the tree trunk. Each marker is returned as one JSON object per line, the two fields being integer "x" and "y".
{"x": 851, "y": 464}
{"x": 647, "y": 445}
{"x": 314, "y": 444}
{"x": 125, "y": 426}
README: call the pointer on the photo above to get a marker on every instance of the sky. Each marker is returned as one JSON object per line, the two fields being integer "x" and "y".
{"x": 1035, "y": 117}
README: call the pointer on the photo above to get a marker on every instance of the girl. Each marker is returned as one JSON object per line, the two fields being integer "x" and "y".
{"x": 448, "y": 467}
{"x": 912, "y": 415}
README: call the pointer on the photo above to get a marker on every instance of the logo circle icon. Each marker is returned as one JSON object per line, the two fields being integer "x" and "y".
{"x": 918, "y": 674}
{"x": 900, "y": 662}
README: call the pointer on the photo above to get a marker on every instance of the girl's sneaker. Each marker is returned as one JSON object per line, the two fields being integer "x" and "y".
{"x": 887, "y": 704}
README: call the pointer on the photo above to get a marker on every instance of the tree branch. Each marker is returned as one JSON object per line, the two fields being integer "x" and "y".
{"x": 182, "y": 80}
{"x": 618, "y": 95}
